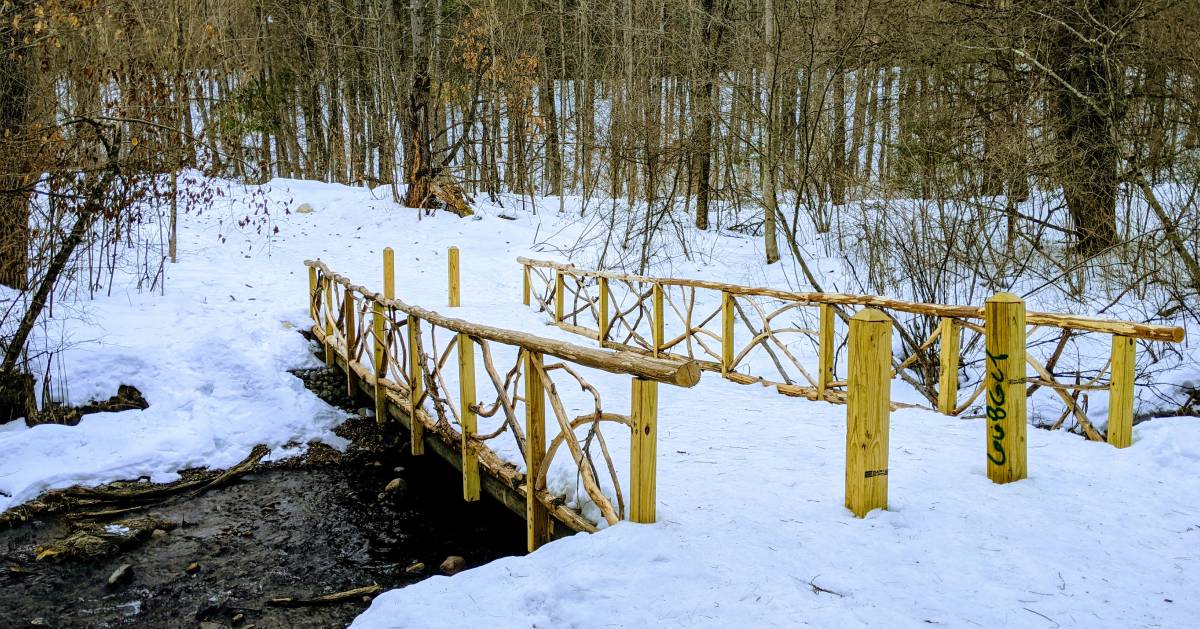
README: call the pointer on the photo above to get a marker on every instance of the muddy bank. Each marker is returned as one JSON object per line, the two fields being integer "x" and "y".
{"x": 299, "y": 529}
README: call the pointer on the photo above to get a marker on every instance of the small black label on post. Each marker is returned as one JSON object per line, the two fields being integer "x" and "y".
{"x": 873, "y": 473}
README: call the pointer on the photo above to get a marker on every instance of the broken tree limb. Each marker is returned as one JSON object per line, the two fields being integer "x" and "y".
{"x": 328, "y": 599}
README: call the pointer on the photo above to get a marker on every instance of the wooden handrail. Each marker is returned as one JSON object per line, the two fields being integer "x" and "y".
{"x": 1147, "y": 331}
{"x": 682, "y": 373}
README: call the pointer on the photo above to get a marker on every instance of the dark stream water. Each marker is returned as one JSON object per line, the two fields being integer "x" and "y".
{"x": 296, "y": 529}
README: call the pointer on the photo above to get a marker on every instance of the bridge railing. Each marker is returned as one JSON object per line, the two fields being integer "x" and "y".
{"x": 420, "y": 364}
{"x": 734, "y": 329}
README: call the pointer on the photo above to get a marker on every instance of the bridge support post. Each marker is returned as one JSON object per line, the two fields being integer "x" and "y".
{"x": 389, "y": 273}
{"x": 313, "y": 295}
{"x": 537, "y": 517}
{"x": 643, "y": 451}
{"x": 379, "y": 356}
{"x": 726, "y": 333}
{"x": 868, "y": 405}
{"x": 603, "y": 318}
{"x": 559, "y": 285}
{"x": 466, "y": 398}
{"x": 351, "y": 333}
{"x": 380, "y": 347}
{"x": 452, "y": 264}
{"x": 949, "y": 341}
{"x": 657, "y": 300}
{"x": 415, "y": 389}
{"x": 330, "y": 320}
{"x": 525, "y": 284}
{"x": 1004, "y": 388}
{"x": 825, "y": 349}
{"x": 1120, "y": 392}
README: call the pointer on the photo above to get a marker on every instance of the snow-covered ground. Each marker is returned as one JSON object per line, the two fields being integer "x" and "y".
{"x": 752, "y": 530}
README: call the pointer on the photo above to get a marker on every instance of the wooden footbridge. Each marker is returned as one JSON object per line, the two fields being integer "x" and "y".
{"x": 400, "y": 356}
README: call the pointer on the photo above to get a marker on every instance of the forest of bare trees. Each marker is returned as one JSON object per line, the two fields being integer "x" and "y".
{"x": 951, "y": 146}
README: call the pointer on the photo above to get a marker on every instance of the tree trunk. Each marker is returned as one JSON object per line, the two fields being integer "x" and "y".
{"x": 837, "y": 183}
{"x": 770, "y": 201}
{"x": 418, "y": 158}
{"x": 702, "y": 108}
{"x": 17, "y": 75}
{"x": 1087, "y": 151}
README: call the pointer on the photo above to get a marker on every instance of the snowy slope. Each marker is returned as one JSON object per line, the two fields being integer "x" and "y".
{"x": 751, "y": 524}
{"x": 751, "y": 519}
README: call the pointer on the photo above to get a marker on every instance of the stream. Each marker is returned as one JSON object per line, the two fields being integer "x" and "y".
{"x": 300, "y": 528}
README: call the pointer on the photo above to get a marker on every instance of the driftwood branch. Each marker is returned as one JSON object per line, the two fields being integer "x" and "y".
{"x": 329, "y": 599}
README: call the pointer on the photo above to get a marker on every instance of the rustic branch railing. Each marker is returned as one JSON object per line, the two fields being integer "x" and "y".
{"x": 401, "y": 355}
{"x": 724, "y": 326}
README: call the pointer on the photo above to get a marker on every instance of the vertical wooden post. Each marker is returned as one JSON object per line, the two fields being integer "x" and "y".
{"x": 525, "y": 284}
{"x": 643, "y": 451}
{"x": 466, "y": 397}
{"x": 1120, "y": 392}
{"x": 330, "y": 322}
{"x": 415, "y": 378}
{"x": 351, "y": 340}
{"x": 389, "y": 273}
{"x": 825, "y": 349}
{"x": 313, "y": 309}
{"x": 558, "y": 295}
{"x": 452, "y": 263}
{"x": 948, "y": 348}
{"x": 657, "y": 300}
{"x": 1004, "y": 329}
{"x": 537, "y": 517}
{"x": 603, "y": 310}
{"x": 379, "y": 353}
{"x": 868, "y": 404}
{"x": 380, "y": 347}
{"x": 726, "y": 333}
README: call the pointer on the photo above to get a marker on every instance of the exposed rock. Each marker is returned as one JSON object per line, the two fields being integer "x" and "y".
{"x": 453, "y": 564}
{"x": 397, "y": 484}
{"x": 415, "y": 567}
{"x": 304, "y": 209}
{"x": 120, "y": 575}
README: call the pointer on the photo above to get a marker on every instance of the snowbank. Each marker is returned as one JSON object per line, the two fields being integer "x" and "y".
{"x": 751, "y": 528}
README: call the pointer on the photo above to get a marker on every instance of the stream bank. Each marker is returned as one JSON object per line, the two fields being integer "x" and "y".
{"x": 300, "y": 528}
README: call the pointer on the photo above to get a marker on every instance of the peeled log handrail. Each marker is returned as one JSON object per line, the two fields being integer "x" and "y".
{"x": 675, "y": 372}
{"x": 1147, "y": 331}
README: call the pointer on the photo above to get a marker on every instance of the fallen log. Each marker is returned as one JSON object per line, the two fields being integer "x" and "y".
{"x": 123, "y": 497}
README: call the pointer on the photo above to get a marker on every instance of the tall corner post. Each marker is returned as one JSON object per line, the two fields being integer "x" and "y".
{"x": 1120, "y": 392}
{"x": 1004, "y": 387}
{"x": 643, "y": 451}
{"x": 868, "y": 407}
